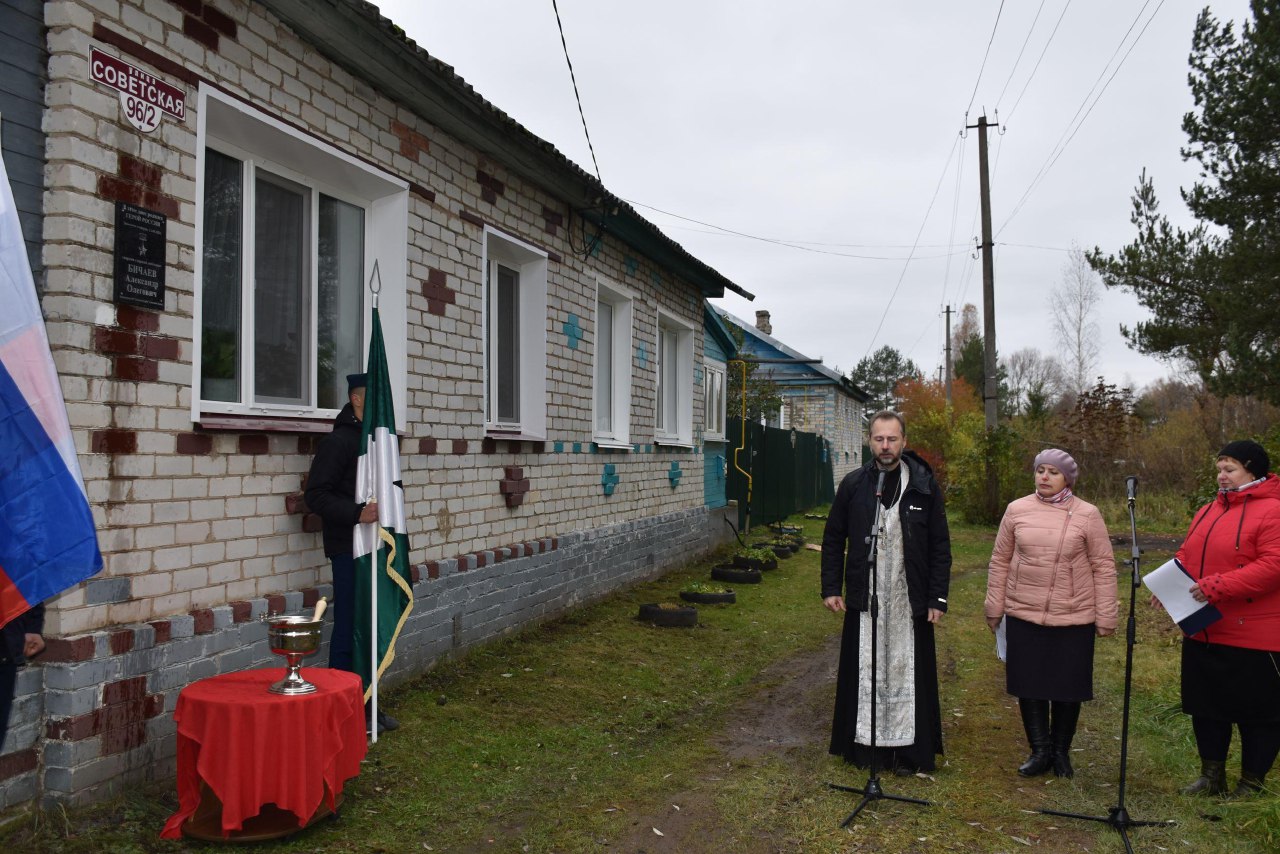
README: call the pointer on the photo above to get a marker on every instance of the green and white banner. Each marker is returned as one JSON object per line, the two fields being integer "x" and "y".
{"x": 384, "y": 591}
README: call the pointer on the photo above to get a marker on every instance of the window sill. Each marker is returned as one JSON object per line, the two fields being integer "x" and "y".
{"x": 512, "y": 435}
{"x": 613, "y": 444}
{"x": 257, "y": 423}
{"x": 672, "y": 442}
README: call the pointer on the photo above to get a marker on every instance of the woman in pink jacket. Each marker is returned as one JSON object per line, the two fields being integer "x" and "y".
{"x": 1053, "y": 580}
{"x": 1231, "y": 670}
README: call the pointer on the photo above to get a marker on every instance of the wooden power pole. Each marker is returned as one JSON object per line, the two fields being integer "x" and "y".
{"x": 989, "y": 383}
{"x": 948, "y": 359}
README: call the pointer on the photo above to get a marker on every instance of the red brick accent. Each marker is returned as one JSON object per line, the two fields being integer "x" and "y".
{"x": 220, "y": 21}
{"x": 114, "y": 693}
{"x": 275, "y": 604}
{"x": 295, "y": 503}
{"x": 167, "y": 205}
{"x": 488, "y": 195}
{"x": 474, "y": 219}
{"x": 459, "y": 446}
{"x": 18, "y": 763}
{"x": 241, "y": 612}
{"x": 498, "y": 556}
{"x": 128, "y": 317}
{"x": 422, "y": 192}
{"x": 77, "y": 728}
{"x": 492, "y": 186}
{"x": 204, "y": 621}
{"x": 514, "y": 486}
{"x": 160, "y": 348}
{"x": 113, "y": 189}
{"x": 254, "y": 445}
{"x": 532, "y": 548}
{"x": 137, "y": 368}
{"x": 415, "y": 574}
{"x": 433, "y": 569}
{"x": 513, "y": 472}
{"x": 481, "y": 560}
{"x": 412, "y": 143}
{"x": 312, "y": 523}
{"x": 114, "y": 441}
{"x": 196, "y": 444}
{"x": 551, "y": 220}
{"x": 555, "y": 543}
{"x": 310, "y": 597}
{"x": 68, "y": 649}
{"x": 116, "y": 342}
{"x": 191, "y": 7}
{"x": 150, "y": 57}
{"x": 164, "y": 630}
{"x": 426, "y": 446}
{"x": 200, "y": 31}
{"x": 437, "y": 291}
{"x": 120, "y": 642}
{"x": 139, "y": 171}
{"x": 488, "y": 445}
{"x": 124, "y": 725}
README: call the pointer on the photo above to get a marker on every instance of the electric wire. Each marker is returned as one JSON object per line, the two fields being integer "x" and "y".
{"x": 985, "y": 54}
{"x": 577, "y": 97}
{"x": 1069, "y": 133}
{"x": 1043, "y": 51}
{"x": 955, "y": 144}
{"x": 955, "y": 214}
{"x": 1026, "y": 41}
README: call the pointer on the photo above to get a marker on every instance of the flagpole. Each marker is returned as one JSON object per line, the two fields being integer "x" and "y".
{"x": 375, "y": 285}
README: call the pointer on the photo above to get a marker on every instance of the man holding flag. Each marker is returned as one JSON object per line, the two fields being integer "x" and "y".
{"x": 48, "y": 542}
{"x": 354, "y": 486}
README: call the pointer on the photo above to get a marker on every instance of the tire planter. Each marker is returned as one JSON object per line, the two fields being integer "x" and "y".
{"x": 680, "y": 617}
{"x": 726, "y": 598}
{"x": 736, "y": 575}
{"x": 752, "y": 563}
{"x": 783, "y": 552}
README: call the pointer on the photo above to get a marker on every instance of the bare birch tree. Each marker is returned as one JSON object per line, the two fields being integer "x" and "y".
{"x": 1074, "y": 305}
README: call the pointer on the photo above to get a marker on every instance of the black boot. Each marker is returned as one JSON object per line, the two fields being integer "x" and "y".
{"x": 1212, "y": 779}
{"x": 1065, "y": 718}
{"x": 1250, "y": 784}
{"x": 1035, "y": 720}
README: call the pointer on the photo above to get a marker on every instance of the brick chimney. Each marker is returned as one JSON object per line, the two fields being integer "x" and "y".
{"x": 762, "y": 322}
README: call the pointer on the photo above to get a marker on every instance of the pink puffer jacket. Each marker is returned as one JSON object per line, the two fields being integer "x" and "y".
{"x": 1053, "y": 565}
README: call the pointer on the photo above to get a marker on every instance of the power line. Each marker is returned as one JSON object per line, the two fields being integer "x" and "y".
{"x": 954, "y": 145}
{"x": 576, "y": 96}
{"x": 1069, "y": 133}
{"x": 1043, "y": 51}
{"x": 987, "y": 53}
{"x": 1026, "y": 41}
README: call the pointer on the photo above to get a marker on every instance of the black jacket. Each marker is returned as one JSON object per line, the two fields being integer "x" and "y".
{"x": 16, "y": 630}
{"x": 926, "y": 542}
{"x": 331, "y": 485}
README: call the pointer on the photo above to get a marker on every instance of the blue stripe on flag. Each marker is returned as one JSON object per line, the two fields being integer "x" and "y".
{"x": 47, "y": 537}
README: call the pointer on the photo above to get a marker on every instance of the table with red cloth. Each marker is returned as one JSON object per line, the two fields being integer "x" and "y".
{"x": 251, "y": 747}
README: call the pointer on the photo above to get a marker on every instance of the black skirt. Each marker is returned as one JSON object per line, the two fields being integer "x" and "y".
{"x": 928, "y": 712}
{"x": 1230, "y": 683}
{"x": 1049, "y": 662}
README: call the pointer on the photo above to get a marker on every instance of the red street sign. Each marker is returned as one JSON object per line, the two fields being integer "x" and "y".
{"x": 143, "y": 96}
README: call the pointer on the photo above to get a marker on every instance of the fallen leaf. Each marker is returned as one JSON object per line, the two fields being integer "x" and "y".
{"x": 658, "y": 832}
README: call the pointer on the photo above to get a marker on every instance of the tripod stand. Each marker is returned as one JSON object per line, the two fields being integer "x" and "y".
{"x": 1118, "y": 816}
{"x": 873, "y": 791}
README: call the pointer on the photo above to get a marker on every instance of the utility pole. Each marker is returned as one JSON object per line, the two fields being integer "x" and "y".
{"x": 988, "y": 315}
{"x": 948, "y": 360}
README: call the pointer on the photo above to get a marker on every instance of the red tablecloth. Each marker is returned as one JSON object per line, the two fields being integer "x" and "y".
{"x": 253, "y": 747}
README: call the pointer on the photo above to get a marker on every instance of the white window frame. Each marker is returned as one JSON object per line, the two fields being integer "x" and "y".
{"x": 530, "y": 263}
{"x": 674, "y": 428}
{"x": 622, "y": 302}
{"x": 234, "y": 128}
{"x": 715, "y": 390}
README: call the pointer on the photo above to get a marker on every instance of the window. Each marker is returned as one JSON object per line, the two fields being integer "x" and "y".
{"x": 285, "y": 255}
{"x": 713, "y": 396}
{"x": 674, "y": 415}
{"x": 612, "y": 401}
{"x": 515, "y": 337}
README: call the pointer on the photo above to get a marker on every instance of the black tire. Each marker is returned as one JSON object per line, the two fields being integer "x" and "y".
{"x": 681, "y": 617}
{"x": 736, "y": 575}
{"x": 783, "y": 552}
{"x": 726, "y": 598}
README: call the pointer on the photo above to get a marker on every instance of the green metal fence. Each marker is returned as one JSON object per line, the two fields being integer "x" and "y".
{"x": 777, "y": 473}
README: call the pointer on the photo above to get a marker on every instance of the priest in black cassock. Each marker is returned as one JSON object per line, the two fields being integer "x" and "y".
{"x": 913, "y": 572}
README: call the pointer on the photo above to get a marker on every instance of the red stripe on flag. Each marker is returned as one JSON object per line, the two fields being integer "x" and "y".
{"x": 12, "y": 603}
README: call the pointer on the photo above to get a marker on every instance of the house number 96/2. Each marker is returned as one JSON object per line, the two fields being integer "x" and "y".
{"x": 145, "y": 117}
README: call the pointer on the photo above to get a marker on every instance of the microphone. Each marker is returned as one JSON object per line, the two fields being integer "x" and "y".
{"x": 880, "y": 484}
{"x": 1131, "y": 486}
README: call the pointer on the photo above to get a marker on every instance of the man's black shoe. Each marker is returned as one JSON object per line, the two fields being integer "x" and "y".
{"x": 386, "y": 722}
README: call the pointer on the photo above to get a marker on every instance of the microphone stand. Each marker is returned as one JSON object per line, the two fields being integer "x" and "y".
{"x": 873, "y": 791}
{"x": 1118, "y": 816}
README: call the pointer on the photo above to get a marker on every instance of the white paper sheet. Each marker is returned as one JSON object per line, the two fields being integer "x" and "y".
{"x": 1172, "y": 586}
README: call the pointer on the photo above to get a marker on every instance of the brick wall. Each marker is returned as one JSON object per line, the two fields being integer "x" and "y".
{"x": 204, "y": 530}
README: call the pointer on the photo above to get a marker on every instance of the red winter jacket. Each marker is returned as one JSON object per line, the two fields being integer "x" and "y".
{"x": 1233, "y": 551}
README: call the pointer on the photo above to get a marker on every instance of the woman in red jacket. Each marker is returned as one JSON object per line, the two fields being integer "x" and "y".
{"x": 1231, "y": 670}
{"x": 1053, "y": 580}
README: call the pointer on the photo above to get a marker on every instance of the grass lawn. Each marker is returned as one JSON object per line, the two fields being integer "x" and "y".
{"x": 597, "y": 732}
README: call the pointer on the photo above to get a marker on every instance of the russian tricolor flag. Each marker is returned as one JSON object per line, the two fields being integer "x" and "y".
{"x": 47, "y": 537}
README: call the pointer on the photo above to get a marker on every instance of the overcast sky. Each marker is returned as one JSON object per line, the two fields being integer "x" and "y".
{"x": 830, "y": 125}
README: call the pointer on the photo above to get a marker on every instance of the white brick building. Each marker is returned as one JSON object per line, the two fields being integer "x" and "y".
{"x": 537, "y": 329}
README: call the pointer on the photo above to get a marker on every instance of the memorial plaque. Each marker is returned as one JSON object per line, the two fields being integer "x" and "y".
{"x": 140, "y": 248}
